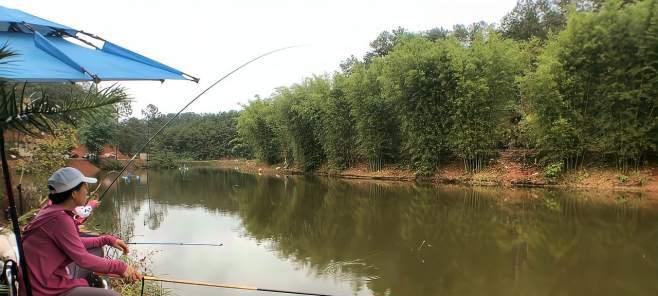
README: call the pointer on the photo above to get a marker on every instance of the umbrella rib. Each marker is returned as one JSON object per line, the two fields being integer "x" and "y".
{"x": 79, "y": 39}
{"x": 48, "y": 47}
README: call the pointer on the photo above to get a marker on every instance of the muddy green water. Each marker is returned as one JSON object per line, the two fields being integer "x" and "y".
{"x": 367, "y": 238}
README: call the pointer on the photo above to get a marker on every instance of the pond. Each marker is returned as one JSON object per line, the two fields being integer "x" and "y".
{"x": 344, "y": 237}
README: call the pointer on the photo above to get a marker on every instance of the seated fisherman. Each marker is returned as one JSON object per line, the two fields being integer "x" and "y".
{"x": 52, "y": 241}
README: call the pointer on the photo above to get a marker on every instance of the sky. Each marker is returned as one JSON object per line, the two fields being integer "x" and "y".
{"x": 208, "y": 39}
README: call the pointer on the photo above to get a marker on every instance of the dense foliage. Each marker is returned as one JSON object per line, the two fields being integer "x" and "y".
{"x": 48, "y": 154}
{"x": 190, "y": 137}
{"x": 575, "y": 80}
{"x": 568, "y": 78}
{"x": 595, "y": 89}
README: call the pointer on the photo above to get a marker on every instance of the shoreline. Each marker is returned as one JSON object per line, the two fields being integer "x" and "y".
{"x": 505, "y": 172}
{"x": 502, "y": 174}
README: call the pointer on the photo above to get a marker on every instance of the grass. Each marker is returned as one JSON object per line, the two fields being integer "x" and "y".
{"x": 141, "y": 263}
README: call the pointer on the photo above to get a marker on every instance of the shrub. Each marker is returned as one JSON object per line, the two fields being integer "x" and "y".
{"x": 553, "y": 171}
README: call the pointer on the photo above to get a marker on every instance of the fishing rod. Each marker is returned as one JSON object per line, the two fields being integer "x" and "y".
{"x": 179, "y": 112}
{"x": 227, "y": 286}
{"x": 216, "y": 285}
{"x": 175, "y": 244}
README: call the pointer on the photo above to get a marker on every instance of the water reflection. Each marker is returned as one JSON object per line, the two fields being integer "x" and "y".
{"x": 367, "y": 238}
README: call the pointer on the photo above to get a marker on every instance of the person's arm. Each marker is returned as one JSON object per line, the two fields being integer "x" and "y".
{"x": 98, "y": 241}
{"x": 64, "y": 232}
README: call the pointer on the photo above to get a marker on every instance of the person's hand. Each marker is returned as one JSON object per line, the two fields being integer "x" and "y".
{"x": 132, "y": 274}
{"x": 93, "y": 203}
{"x": 119, "y": 244}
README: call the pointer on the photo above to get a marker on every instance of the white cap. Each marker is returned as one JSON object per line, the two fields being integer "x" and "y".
{"x": 66, "y": 178}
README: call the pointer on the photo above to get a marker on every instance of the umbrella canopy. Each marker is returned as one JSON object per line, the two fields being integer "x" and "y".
{"x": 50, "y": 52}
{"x": 17, "y": 19}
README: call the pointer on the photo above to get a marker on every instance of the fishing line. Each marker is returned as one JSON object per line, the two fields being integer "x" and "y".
{"x": 175, "y": 244}
{"x": 179, "y": 112}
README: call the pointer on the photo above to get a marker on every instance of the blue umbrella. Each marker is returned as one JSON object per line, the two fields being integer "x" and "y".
{"x": 50, "y": 52}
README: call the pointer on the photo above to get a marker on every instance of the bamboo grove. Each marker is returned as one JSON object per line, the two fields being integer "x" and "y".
{"x": 575, "y": 81}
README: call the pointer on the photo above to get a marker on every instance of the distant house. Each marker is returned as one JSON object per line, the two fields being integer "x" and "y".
{"x": 108, "y": 152}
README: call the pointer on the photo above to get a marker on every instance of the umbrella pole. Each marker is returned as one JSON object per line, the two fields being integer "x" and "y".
{"x": 13, "y": 215}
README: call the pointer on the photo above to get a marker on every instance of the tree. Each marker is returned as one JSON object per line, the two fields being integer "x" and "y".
{"x": 384, "y": 43}
{"x": 200, "y": 136}
{"x": 533, "y": 18}
{"x": 337, "y": 132}
{"x": 123, "y": 110}
{"x": 151, "y": 112}
{"x": 436, "y": 34}
{"x": 348, "y": 64}
{"x": 466, "y": 34}
{"x": 420, "y": 81}
{"x": 594, "y": 89}
{"x": 298, "y": 115}
{"x": 239, "y": 148}
{"x": 256, "y": 127}
{"x": 49, "y": 154}
{"x": 96, "y": 133}
{"x": 132, "y": 133}
{"x": 375, "y": 121}
{"x": 485, "y": 97}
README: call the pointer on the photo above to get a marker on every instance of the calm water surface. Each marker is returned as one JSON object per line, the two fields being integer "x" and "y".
{"x": 367, "y": 238}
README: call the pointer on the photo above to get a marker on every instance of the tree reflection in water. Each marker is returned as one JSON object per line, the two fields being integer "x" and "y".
{"x": 405, "y": 239}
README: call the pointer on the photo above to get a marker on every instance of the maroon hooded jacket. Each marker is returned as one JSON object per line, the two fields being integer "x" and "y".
{"x": 51, "y": 242}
